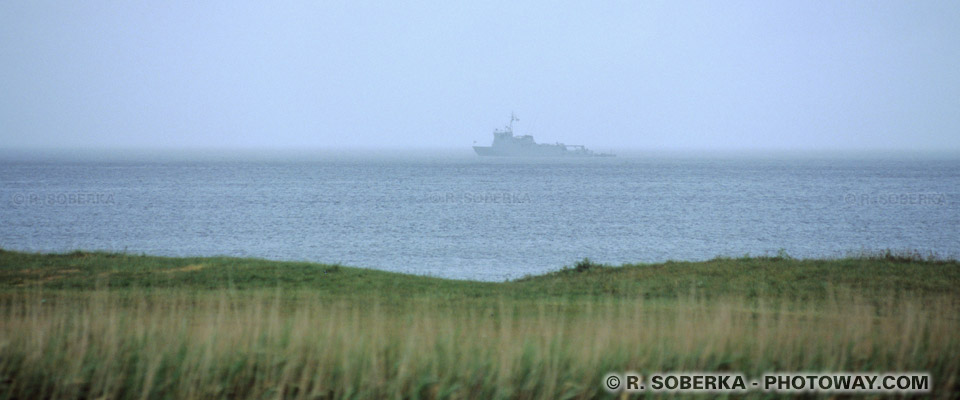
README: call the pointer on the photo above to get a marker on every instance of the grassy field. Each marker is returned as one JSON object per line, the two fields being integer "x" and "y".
{"x": 101, "y": 325}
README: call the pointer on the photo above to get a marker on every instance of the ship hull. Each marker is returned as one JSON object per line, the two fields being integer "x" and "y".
{"x": 506, "y": 144}
{"x": 490, "y": 151}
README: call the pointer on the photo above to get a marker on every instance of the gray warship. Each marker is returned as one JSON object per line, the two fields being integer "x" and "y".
{"x": 506, "y": 144}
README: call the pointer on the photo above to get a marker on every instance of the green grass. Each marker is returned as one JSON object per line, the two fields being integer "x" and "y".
{"x": 759, "y": 277}
{"x": 104, "y": 325}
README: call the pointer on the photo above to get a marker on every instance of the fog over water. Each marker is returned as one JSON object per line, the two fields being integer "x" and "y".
{"x": 653, "y": 76}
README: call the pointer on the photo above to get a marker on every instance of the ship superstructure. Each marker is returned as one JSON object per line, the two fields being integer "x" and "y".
{"x": 506, "y": 144}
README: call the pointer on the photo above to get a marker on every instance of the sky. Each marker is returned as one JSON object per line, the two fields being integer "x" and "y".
{"x": 650, "y": 75}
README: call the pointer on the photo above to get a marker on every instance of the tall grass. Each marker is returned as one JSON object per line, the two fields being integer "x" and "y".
{"x": 273, "y": 344}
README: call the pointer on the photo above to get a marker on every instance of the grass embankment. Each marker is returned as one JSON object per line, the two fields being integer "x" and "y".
{"x": 120, "y": 326}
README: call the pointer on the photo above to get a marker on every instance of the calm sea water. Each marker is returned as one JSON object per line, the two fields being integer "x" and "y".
{"x": 460, "y": 216}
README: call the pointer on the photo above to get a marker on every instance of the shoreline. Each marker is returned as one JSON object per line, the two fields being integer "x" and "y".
{"x": 757, "y": 276}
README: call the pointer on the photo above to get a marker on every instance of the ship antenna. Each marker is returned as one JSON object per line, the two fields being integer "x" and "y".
{"x": 513, "y": 117}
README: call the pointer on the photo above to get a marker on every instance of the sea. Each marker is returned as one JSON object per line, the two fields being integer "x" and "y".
{"x": 452, "y": 214}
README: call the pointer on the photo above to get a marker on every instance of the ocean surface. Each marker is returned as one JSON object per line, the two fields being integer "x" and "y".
{"x": 456, "y": 215}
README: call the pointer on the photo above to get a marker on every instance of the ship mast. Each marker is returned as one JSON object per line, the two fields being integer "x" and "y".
{"x": 513, "y": 117}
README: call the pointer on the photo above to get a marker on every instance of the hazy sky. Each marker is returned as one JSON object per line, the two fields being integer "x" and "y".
{"x": 608, "y": 74}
